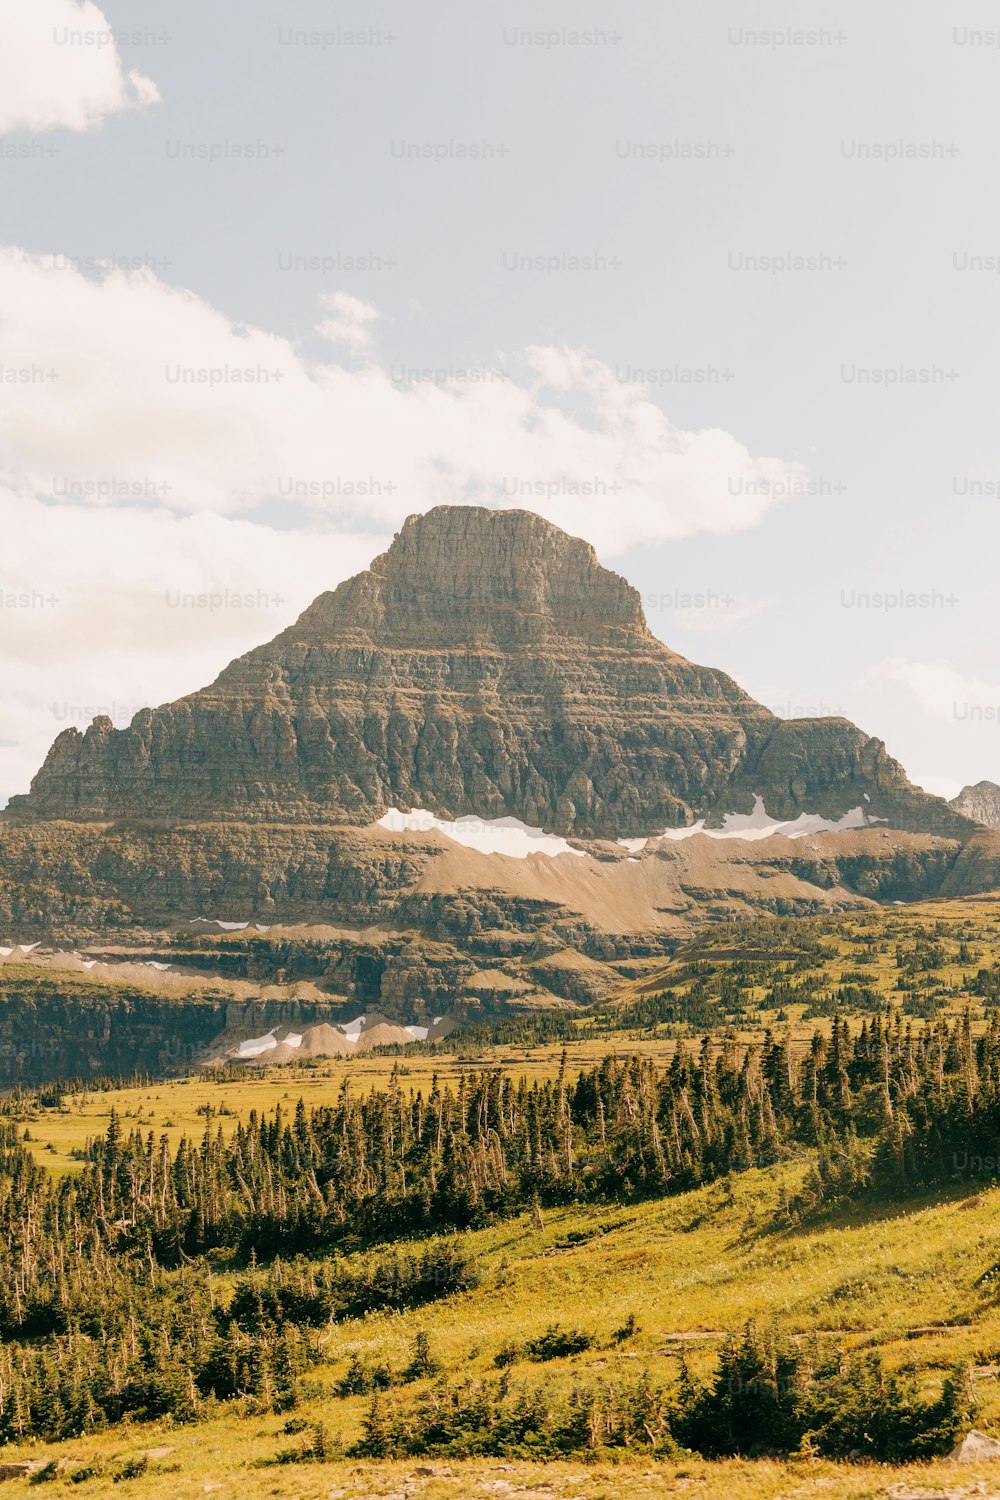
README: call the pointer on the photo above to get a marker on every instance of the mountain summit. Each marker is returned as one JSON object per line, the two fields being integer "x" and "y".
{"x": 464, "y": 576}
{"x": 486, "y": 664}
{"x": 980, "y": 802}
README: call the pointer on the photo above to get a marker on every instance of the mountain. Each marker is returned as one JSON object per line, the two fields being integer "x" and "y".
{"x": 980, "y": 802}
{"x": 485, "y": 665}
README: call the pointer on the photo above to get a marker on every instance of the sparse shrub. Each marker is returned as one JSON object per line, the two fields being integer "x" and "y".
{"x": 46, "y": 1474}
{"x": 497, "y": 1419}
{"x": 557, "y": 1343}
{"x": 93, "y": 1470}
{"x": 628, "y": 1330}
{"x": 423, "y": 1361}
{"x": 132, "y": 1468}
{"x": 319, "y": 1447}
{"x": 362, "y": 1377}
{"x": 768, "y": 1396}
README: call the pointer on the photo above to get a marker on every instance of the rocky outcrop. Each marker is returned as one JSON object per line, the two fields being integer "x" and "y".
{"x": 829, "y": 766}
{"x": 486, "y": 664}
{"x": 65, "y": 877}
{"x": 575, "y": 976}
{"x": 74, "y": 882}
{"x": 50, "y": 1031}
{"x": 981, "y": 803}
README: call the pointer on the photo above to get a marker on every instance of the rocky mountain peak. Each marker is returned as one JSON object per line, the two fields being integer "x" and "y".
{"x": 486, "y": 665}
{"x": 980, "y": 802}
{"x": 466, "y": 575}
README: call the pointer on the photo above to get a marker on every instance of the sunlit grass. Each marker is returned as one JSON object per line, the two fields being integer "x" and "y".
{"x": 903, "y": 1278}
{"x": 688, "y": 1266}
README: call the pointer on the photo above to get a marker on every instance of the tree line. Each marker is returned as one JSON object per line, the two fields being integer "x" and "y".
{"x": 111, "y": 1301}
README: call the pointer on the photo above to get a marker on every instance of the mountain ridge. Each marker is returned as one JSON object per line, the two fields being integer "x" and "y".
{"x": 486, "y": 664}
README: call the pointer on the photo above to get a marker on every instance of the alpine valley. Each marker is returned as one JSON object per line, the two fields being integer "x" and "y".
{"x": 468, "y": 1050}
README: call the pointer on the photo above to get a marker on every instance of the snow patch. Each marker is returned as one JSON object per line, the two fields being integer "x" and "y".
{"x": 257, "y": 1044}
{"x": 760, "y": 825}
{"x": 231, "y": 926}
{"x": 507, "y": 836}
{"x": 633, "y": 845}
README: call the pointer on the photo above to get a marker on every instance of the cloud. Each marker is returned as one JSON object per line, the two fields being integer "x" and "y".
{"x": 125, "y": 380}
{"x": 348, "y": 322}
{"x": 941, "y": 691}
{"x": 60, "y": 67}
{"x": 111, "y": 609}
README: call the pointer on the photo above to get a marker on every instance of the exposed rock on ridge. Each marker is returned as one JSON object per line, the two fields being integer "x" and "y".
{"x": 980, "y": 802}
{"x": 486, "y": 664}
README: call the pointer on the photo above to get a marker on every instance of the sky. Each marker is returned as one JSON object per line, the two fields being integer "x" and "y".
{"x": 715, "y": 287}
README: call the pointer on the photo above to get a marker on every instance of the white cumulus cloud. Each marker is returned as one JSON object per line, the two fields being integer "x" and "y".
{"x": 60, "y": 67}
{"x": 124, "y": 379}
{"x": 107, "y": 610}
{"x": 348, "y": 321}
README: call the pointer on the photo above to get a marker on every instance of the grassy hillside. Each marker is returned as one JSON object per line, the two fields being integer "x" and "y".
{"x": 931, "y": 958}
{"x": 587, "y": 1300}
{"x": 905, "y": 1281}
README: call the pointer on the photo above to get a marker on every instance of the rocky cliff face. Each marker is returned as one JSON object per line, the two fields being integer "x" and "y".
{"x": 486, "y": 664}
{"x": 829, "y": 766}
{"x": 980, "y": 802}
{"x": 48, "y": 1032}
{"x": 72, "y": 882}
